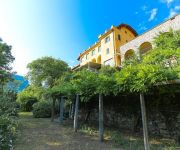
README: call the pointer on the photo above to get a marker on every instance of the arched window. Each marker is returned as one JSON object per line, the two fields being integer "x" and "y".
{"x": 129, "y": 54}
{"x": 118, "y": 60}
{"x": 144, "y": 47}
{"x": 99, "y": 59}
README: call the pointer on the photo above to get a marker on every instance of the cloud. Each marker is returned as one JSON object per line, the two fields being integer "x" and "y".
{"x": 174, "y": 11}
{"x": 153, "y": 14}
{"x": 144, "y": 8}
{"x": 177, "y": 7}
{"x": 168, "y": 2}
{"x": 142, "y": 26}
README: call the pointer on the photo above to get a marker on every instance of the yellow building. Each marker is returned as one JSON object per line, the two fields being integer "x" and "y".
{"x": 106, "y": 50}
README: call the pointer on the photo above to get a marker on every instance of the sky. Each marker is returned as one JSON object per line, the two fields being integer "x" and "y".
{"x": 65, "y": 28}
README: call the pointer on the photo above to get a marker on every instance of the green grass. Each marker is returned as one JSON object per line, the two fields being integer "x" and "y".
{"x": 42, "y": 134}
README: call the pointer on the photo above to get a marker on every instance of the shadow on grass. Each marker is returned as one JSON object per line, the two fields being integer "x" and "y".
{"x": 130, "y": 142}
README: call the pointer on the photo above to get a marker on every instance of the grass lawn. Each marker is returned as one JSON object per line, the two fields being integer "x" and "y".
{"x": 41, "y": 134}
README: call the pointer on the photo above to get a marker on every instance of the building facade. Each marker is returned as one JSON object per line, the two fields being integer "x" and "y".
{"x": 143, "y": 43}
{"x": 122, "y": 42}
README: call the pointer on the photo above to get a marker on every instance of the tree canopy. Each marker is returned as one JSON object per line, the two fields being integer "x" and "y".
{"x": 139, "y": 74}
{"x": 45, "y": 70}
{"x": 6, "y": 59}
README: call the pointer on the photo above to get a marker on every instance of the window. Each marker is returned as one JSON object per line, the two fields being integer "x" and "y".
{"x": 126, "y": 41}
{"x": 93, "y": 52}
{"x": 99, "y": 49}
{"x": 107, "y": 39}
{"x": 119, "y": 37}
{"x": 125, "y": 31}
{"x": 87, "y": 56}
{"x": 82, "y": 59}
{"x": 107, "y": 51}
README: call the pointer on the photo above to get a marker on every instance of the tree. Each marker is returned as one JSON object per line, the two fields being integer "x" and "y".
{"x": 6, "y": 59}
{"x": 29, "y": 96}
{"x": 45, "y": 70}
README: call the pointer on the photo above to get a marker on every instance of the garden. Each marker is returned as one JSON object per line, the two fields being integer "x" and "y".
{"x": 123, "y": 105}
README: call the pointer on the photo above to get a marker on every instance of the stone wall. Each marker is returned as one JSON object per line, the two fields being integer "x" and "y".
{"x": 161, "y": 122}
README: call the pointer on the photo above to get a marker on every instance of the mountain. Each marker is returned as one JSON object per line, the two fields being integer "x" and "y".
{"x": 18, "y": 84}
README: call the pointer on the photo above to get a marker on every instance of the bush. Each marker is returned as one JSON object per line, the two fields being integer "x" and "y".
{"x": 7, "y": 132}
{"x": 42, "y": 109}
{"x": 28, "y": 97}
{"x": 8, "y": 106}
{"x": 26, "y": 103}
{"x": 8, "y": 123}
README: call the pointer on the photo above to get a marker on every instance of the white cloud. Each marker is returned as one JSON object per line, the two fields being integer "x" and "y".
{"x": 142, "y": 26}
{"x": 168, "y": 2}
{"x": 177, "y": 7}
{"x": 144, "y": 8}
{"x": 172, "y": 13}
{"x": 153, "y": 14}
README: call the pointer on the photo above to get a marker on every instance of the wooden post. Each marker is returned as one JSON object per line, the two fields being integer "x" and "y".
{"x": 61, "y": 110}
{"x": 76, "y": 113}
{"x": 144, "y": 122}
{"x": 101, "y": 118}
{"x": 52, "y": 110}
{"x": 72, "y": 109}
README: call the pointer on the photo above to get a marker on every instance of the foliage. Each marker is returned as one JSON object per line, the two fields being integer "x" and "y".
{"x": 63, "y": 86}
{"x": 156, "y": 67}
{"x": 105, "y": 80}
{"x": 42, "y": 109}
{"x": 8, "y": 106}
{"x": 29, "y": 96}
{"x": 168, "y": 40}
{"x": 45, "y": 70}
{"x": 6, "y": 59}
{"x": 85, "y": 83}
{"x": 8, "y": 123}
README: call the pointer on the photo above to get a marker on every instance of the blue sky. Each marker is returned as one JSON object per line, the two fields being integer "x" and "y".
{"x": 64, "y": 28}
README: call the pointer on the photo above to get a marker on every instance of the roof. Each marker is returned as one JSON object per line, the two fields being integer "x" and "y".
{"x": 128, "y": 27}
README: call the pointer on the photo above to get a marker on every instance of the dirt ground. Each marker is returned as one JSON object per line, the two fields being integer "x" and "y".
{"x": 41, "y": 134}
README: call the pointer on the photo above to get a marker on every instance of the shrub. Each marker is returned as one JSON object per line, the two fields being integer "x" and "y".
{"x": 42, "y": 109}
{"x": 8, "y": 106}
{"x": 7, "y": 132}
{"x": 26, "y": 103}
{"x": 28, "y": 97}
{"x": 8, "y": 123}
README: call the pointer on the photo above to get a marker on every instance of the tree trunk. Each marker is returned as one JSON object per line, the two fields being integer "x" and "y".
{"x": 76, "y": 113}
{"x": 101, "y": 118}
{"x": 52, "y": 110}
{"x": 61, "y": 109}
{"x": 144, "y": 122}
